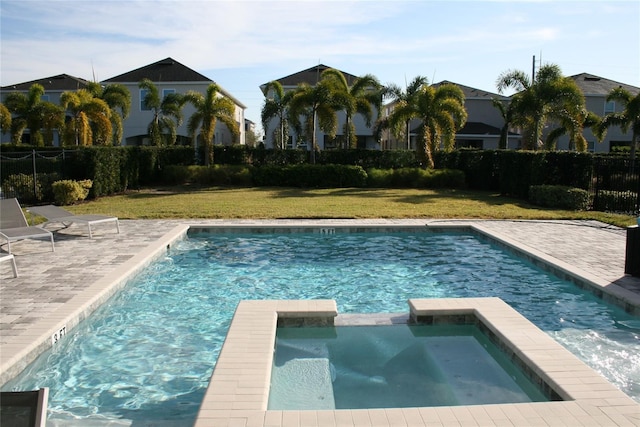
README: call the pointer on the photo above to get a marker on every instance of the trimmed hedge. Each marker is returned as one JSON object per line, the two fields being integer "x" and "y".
{"x": 559, "y": 196}
{"x": 616, "y": 201}
{"x": 415, "y": 178}
{"x": 310, "y": 176}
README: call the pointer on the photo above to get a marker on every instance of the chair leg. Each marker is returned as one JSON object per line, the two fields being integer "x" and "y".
{"x": 118, "y": 226}
{"x": 14, "y": 267}
{"x": 53, "y": 248}
{"x": 90, "y": 233}
{"x": 12, "y": 260}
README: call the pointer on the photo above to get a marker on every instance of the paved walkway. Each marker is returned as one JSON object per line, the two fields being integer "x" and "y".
{"x": 49, "y": 280}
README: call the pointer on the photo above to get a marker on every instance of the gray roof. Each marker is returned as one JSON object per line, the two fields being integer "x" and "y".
{"x": 472, "y": 92}
{"x": 595, "y": 85}
{"x": 473, "y": 128}
{"x": 61, "y": 82}
{"x": 311, "y": 76}
{"x": 166, "y": 70}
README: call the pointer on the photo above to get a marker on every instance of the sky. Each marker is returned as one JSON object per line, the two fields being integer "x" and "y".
{"x": 242, "y": 44}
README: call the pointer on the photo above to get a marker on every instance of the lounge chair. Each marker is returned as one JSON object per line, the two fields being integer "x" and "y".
{"x": 55, "y": 214}
{"x": 12, "y": 259}
{"x": 24, "y": 408}
{"x": 14, "y": 226}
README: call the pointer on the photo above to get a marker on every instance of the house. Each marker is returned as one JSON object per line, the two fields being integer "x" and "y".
{"x": 365, "y": 134}
{"x": 482, "y": 129}
{"x": 595, "y": 90}
{"x": 170, "y": 76}
{"x": 53, "y": 88}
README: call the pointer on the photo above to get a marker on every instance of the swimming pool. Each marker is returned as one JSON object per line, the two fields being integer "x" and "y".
{"x": 160, "y": 359}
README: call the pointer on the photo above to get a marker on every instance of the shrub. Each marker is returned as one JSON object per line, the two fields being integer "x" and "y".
{"x": 310, "y": 176}
{"x": 559, "y": 196}
{"x": 615, "y": 201}
{"x": 176, "y": 175}
{"x": 21, "y": 186}
{"x": 415, "y": 178}
{"x": 220, "y": 175}
{"x": 68, "y": 192}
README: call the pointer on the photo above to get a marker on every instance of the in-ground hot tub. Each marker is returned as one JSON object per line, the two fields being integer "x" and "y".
{"x": 241, "y": 382}
{"x": 400, "y": 366}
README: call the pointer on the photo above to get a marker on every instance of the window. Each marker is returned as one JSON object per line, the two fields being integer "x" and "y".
{"x": 609, "y": 107}
{"x": 44, "y": 98}
{"x": 143, "y": 105}
{"x": 165, "y": 92}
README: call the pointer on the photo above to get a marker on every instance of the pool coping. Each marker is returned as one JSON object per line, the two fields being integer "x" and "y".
{"x": 17, "y": 355}
{"x": 238, "y": 392}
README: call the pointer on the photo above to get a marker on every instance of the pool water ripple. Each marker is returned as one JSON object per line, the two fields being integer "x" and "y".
{"x": 149, "y": 352}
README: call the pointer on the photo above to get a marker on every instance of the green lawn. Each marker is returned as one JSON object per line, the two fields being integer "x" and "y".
{"x": 271, "y": 203}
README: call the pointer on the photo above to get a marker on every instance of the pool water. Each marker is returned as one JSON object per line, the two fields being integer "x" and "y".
{"x": 149, "y": 352}
{"x": 399, "y": 366}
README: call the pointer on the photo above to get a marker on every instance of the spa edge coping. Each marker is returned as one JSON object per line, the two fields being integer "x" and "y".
{"x": 238, "y": 391}
{"x": 16, "y": 356}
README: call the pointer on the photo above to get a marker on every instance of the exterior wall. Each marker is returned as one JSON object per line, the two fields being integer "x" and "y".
{"x": 135, "y": 126}
{"x": 482, "y": 110}
{"x": 596, "y": 104}
{"x": 362, "y": 130}
{"x": 479, "y": 109}
{"x": 52, "y": 96}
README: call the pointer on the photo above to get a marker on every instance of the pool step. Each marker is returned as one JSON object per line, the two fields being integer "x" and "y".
{"x": 300, "y": 384}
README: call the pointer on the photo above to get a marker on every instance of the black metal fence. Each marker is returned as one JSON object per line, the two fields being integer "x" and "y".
{"x": 615, "y": 187}
{"x": 28, "y": 176}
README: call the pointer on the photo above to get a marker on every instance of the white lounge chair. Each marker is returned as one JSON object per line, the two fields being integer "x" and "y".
{"x": 55, "y": 214}
{"x": 24, "y": 408}
{"x": 14, "y": 226}
{"x": 12, "y": 260}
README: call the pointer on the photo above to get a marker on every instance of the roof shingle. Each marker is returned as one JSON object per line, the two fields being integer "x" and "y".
{"x": 166, "y": 70}
{"x": 61, "y": 82}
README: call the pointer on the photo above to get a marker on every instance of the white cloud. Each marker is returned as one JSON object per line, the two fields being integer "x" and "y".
{"x": 250, "y": 42}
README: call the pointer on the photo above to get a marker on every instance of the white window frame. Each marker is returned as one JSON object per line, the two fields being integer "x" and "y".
{"x": 609, "y": 107}
{"x": 143, "y": 93}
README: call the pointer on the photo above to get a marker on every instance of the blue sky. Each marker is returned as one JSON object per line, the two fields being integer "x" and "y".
{"x": 242, "y": 44}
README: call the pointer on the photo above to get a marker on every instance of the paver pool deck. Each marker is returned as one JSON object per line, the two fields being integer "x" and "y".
{"x": 52, "y": 285}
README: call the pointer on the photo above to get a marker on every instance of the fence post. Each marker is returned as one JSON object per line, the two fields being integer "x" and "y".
{"x": 35, "y": 175}
{"x": 637, "y": 177}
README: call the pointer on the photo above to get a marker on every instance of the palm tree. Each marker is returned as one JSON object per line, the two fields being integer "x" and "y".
{"x": 118, "y": 98}
{"x": 90, "y": 122}
{"x": 441, "y": 110}
{"x": 5, "y": 118}
{"x": 276, "y": 106}
{"x": 317, "y": 106}
{"x": 403, "y": 98}
{"x": 30, "y": 112}
{"x": 548, "y": 96}
{"x": 359, "y": 98}
{"x": 167, "y": 113}
{"x": 506, "y": 112}
{"x": 629, "y": 117}
{"x": 209, "y": 109}
{"x": 569, "y": 125}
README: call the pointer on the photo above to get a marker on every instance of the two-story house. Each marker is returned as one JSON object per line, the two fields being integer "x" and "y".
{"x": 365, "y": 134}
{"x": 53, "y": 88}
{"x": 595, "y": 90}
{"x": 482, "y": 129}
{"x": 170, "y": 76}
